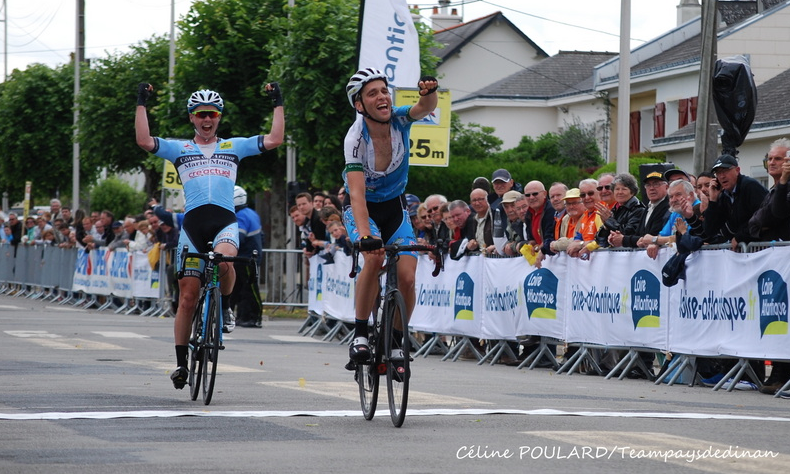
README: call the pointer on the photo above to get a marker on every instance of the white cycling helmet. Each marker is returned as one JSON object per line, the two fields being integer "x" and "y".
{"x": 205, "y": 97}
{"x": 359, "y": 79}
{"x": 239, "y": 196}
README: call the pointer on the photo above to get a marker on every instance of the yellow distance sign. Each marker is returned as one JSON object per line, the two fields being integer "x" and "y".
{"x": 170, "y": 178}
{"x": 430, "y": 137}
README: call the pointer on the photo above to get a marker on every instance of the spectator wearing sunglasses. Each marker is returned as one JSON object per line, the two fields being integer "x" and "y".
{"x": 589, "y": 222}
{"x": 438, "y": 229}
{"x": 606, "y": 189}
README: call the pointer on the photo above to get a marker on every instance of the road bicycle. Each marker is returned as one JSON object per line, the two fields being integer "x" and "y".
{"x": 205, "y": 340}
{"x": 389, "y": 330}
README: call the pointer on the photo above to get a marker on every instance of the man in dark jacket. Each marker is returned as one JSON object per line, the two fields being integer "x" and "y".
{"x": 464, "y": 241}
{"x": 734, "y": 198}
{"x": 653, "y": 219}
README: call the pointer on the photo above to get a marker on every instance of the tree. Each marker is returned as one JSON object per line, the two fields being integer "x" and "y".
{"x": 315, "y": 53}
{"x": 37, "y": 132}
{"x": 118, "y": 197}
{"x": 577, "y": 146}
{"x": 108, "y": 96}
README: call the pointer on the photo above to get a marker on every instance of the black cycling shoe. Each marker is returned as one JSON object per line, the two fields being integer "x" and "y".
{"x": 359, "y": 351}
{"x": 398, "y": 369}
{"x": 179, "y": 377}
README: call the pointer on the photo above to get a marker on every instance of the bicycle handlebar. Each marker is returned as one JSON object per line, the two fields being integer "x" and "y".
{"x": 392, "y": 250}
{"x": 217, "y": 257}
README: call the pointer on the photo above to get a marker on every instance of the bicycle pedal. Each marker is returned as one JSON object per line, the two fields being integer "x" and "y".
{"x": 351, "y": 365}
{"x": 222, "y": 348}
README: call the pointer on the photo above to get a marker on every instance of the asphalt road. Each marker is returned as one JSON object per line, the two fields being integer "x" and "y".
{"x": 83, "y": 391}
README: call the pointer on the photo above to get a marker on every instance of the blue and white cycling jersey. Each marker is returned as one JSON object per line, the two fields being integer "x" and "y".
{"x": 208, "y": 180}
{"x": 384, "y": 185}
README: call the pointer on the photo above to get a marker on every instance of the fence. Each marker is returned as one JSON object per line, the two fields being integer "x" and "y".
{"x": 120, "y": 281}
{"x": 730, "y": 305}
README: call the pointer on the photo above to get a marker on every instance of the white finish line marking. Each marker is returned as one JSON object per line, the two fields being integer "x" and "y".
{"x": 105, "y": 415}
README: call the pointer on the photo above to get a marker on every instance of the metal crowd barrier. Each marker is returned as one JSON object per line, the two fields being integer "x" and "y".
{"x": 283, "y": 278}
{"x": 48, "y": 272}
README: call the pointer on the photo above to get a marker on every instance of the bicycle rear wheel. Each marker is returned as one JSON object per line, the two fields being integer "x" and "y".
{"x": 195, "y": 351}
{"x": 398, "y": 371}
{"x": 212, "y": 345}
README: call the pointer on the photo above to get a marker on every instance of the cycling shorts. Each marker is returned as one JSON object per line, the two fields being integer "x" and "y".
{"x": 204, "y": 224}
{"x": 389, "y": 220}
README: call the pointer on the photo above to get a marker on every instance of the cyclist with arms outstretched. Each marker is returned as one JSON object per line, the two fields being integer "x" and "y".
{"x": 207, "y": 166}
{"x": 377, "y": 165}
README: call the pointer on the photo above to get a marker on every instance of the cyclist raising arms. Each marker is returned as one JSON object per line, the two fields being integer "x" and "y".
{"x": 207, "y": 166}
{"x": 377, "y": 165}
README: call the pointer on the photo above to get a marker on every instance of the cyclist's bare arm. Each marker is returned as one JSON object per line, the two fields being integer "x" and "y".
{"x": 356, "y": 192}
{"x": 428, "y": 100}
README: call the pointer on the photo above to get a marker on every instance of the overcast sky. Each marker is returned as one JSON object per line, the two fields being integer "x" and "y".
{"x": 43, "y": 31}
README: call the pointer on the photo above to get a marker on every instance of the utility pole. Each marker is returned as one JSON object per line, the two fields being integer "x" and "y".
{"x": 5, "y": 40}
{"x": 705, "y": 138}
{"x": 79, "y": 58}
{"x": 624, "y": 88}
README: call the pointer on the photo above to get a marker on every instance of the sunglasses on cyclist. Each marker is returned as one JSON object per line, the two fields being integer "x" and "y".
{"x": 207, "y": 113}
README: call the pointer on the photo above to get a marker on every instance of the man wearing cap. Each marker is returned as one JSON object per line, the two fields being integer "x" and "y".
{"x": 120, "y": 236}
{"x": 502, "y": 182}
{"x": 654, "y": 218}
{"x": 733, "y": 200}
{"x": 513, "y": 205}
{"x": 564, "y": 233}
{"x": 478, "y": 201}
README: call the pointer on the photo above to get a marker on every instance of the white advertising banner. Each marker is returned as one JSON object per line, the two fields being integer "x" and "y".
{"x": 338, "y": 288}
{"x": 315, "y": 297}
{"x": 737, "y": 305}
{"x": 120, "y": 265}
{"x": 503, "y": 281}
{"x": 451, "y": 303}
{"x": 542, "y": 300}
{"x": 145, "y": 282}
{"x": 617, "y": 299}
{"x": 82, "y": 272}
{"x": 389, "y": 42}
{"x": 100, "y": 279}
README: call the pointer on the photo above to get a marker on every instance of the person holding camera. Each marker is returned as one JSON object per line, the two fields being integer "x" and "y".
{"x": 733, "y": 200}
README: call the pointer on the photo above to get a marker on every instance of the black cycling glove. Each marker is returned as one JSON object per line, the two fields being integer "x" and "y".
{"x": 143, "y": 92}
{"x": 276, "y": 95}
{"x": 369, "y": 243}
{"x": 432, "y": 89}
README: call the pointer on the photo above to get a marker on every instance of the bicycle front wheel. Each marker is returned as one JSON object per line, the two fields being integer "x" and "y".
{"x": 368, "y": 378}
{"x": 397, "y": 362}
{"x": 195, "y": 351}
{"x": 212, "y": 344}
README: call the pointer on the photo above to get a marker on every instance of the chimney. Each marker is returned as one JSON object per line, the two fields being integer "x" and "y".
{"x": 442, "y": 19}
{"x": 688, "y": 10}
{"x": 415, "y": 14}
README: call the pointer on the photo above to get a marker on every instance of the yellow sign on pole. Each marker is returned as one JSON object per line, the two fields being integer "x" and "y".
{"x": 430, "y": 137}
{"x": 26, "y": 203}
{"x": 170, "y": 178}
